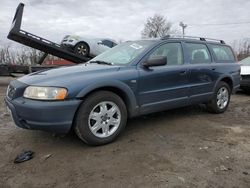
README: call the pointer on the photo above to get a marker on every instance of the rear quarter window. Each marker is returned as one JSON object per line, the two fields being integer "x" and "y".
{"x": 223, "y": 53}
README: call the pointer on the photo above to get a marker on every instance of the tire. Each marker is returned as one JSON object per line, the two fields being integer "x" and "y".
{"x": 214, "y": 105}
{"x": 96, "y": 124}
{"x": 81, "y": 49}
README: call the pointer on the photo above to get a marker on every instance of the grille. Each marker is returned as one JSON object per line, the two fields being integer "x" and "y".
{"x": 245, "y": 77}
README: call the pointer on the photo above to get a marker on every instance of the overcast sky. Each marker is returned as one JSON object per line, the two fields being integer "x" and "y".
{"x": 124, "y": 20}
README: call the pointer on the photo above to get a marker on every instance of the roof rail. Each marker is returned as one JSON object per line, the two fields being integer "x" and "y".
{"x": 192, "y": 37}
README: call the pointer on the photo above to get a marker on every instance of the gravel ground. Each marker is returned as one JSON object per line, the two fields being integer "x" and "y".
{"x": 185, "y": 147}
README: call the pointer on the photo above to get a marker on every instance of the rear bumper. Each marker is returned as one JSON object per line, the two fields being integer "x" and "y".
{"x": 56, "y": 116}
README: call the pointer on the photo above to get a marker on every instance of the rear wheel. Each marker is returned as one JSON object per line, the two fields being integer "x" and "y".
{"x": 221, "y": 98}
{"x": 101, "y": 118}
{"x": 82, "y": 49}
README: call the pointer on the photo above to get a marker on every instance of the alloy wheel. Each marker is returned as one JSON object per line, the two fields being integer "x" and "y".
{"x": 222, "y": 97}
{"x": 82, "y": 49}
{"x": 104, "y": 119}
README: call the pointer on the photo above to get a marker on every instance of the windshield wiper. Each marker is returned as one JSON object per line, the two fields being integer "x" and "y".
{"x": 101, "y": 62}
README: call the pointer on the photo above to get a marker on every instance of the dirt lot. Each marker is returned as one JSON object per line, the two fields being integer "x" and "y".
{"x": 186, "y": 147}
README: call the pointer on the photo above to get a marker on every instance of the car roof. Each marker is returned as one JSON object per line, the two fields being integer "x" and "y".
{"x": 90, "y": 37}
{"x": 189, "y": 39}
{"x": 196, "y": 41}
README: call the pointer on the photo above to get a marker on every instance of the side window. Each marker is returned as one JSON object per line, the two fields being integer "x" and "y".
{"x": 172, "y": 51}
{"x": 107, "y": 43}
{"x": 198, "y": 53}
{"x": 223, "y": 53}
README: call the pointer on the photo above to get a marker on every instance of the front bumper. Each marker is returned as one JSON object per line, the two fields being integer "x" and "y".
{"x": 56, "y": 116}
{"x": 245, "y": 81}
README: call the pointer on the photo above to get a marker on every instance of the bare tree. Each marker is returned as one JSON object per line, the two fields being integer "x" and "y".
{"x": 34, "y": 55}
{"x": 22, "y": 55}
{"x": 6, "y": 56}
{"x": 157, "y": 26}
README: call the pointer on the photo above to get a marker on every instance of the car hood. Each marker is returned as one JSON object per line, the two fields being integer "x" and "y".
{"x": 245, "y": 70}
{"x": 66, "y": 76}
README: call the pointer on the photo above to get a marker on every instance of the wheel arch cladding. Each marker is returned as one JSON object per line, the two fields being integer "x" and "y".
{"x": 122, "y": 90}
{"x": 229, "y": 81}
{"x": 226, "y": 79}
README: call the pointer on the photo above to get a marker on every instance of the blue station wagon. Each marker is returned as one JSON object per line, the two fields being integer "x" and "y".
{"x": 133, "y": 78}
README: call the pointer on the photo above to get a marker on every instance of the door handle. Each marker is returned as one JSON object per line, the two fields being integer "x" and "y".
{"x": 183, "y": 72}
{"x": 213, "y": 69}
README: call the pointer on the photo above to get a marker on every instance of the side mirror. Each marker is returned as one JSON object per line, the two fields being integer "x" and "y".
{"x": 157, "y": 61}
{"x": 99, "y": 42}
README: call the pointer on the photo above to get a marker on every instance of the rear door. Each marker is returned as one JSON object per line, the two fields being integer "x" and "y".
{"x": 165, "y": 86}
{"x": 202, "y": 71}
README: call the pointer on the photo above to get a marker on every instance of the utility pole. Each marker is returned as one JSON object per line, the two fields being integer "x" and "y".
{"x": 183, "y": 26}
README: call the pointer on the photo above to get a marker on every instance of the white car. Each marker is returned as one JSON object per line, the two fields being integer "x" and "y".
{"x": 87, "y": 47}
{"x": 245, "y": 74}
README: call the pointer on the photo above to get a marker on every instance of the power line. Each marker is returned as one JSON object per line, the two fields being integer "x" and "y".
{"x": 221, "y": 24}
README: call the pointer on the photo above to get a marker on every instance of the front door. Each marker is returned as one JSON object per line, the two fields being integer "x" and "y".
{"x": 163, "y": 87}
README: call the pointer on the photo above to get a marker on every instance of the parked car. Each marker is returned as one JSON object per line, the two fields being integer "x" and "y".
{"x": 245, "y": 74}
{"x": 131, "y": 79}
{"x": 87, "y": 47}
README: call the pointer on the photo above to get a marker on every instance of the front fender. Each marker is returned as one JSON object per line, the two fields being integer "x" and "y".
{"x": 131, "y": 101}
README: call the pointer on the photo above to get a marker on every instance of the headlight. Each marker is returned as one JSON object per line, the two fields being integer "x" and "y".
{"x": 45, "y": 93}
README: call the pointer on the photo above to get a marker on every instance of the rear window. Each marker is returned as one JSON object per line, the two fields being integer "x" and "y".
{"x": 223, "y": 53}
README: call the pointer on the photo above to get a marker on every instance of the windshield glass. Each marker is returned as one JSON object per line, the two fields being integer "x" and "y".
{"x": 245, "y": 61}
{"x": 124, "y": 53}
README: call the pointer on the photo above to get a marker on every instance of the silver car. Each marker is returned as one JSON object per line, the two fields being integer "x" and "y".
{"x": 87, "y": 47}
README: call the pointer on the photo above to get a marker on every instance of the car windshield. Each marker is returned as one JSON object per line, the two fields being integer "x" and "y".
{"x": 245, "y": 61}
{"x": 124, "y": 53}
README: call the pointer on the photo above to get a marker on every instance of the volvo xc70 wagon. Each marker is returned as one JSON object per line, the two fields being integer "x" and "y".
{"x": 133, "y": 78}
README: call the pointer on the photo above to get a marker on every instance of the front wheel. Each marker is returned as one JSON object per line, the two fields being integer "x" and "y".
{"x": 101, "y": 118}
{"x": 221, "y": 98}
